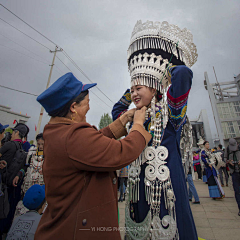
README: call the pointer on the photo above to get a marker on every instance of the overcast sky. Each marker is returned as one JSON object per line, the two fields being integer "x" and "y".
{"x": 96, "y": 35}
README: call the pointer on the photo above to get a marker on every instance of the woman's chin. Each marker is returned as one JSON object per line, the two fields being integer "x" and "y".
{"x": 138, "y": 105}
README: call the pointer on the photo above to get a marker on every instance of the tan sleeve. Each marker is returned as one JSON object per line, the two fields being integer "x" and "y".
{"x": 118, "y": 129}
{"x": 140, "y": 129}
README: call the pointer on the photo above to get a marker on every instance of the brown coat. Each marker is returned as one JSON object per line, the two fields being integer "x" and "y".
{"x": 81, "y": 182}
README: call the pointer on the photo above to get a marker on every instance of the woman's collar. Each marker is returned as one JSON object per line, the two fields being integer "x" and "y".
{"x": 56, "y": 120}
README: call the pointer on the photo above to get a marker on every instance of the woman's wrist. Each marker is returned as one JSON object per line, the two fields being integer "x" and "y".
{"x": 124, "y": 119}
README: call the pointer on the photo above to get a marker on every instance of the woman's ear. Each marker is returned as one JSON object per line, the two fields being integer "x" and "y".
{"x": 154, "y": 91}
{"x": 72, "y": 107}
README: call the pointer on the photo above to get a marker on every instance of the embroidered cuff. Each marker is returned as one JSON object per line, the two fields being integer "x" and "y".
{"x": 126, "y": 98}
{"x": 117, "y": 129}
{"x": 21, "y": 174}
{"x": 140, "y": 129}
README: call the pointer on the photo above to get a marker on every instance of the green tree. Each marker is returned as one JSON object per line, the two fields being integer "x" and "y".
{"x": 105, "y": 121}
{"x": 9, "y": 130}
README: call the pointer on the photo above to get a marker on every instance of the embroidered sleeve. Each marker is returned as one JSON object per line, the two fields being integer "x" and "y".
{"x": 204, "y": 158}
{"x": 177, "y": 95}
{"x": 122, "y": 105}
{"x": 21, "y": 173}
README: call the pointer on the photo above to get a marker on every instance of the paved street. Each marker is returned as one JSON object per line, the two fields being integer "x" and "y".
{"x": 214, "y": 219}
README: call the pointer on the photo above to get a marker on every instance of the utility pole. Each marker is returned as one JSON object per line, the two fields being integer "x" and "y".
{"x": 49, "y": 78}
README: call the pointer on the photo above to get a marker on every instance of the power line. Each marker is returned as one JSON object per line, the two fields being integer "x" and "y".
{"x": 58, "y": 68}
{"x": 59, "y": 46}
{"x": 24, "y": 54}
{"x": 90, "y": 89}
{"x": 29, "y": 25}
{"x": 63, "y": 63}
{"x": 24, "y": 48}
{"x": 18, "y": 91}
{"x": 49, "y": 49}
{"x": 85, "y": 74}
{"x": 25, "y": 34}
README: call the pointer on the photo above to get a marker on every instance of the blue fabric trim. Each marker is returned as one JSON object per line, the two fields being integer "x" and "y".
{"x": 204, "y": 178}
{"x": 214, "y": 191}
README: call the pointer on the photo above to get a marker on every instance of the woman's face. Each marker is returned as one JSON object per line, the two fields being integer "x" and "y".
{"x": 82, "y": 109}
{"x": 142, "y": 95}
{"x": 40, "y": 144}
{"x": 207, "y": 145}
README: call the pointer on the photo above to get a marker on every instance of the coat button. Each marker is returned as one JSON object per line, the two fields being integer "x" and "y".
{"x": 114, "y": 180}
{"x": 84, "y": 222}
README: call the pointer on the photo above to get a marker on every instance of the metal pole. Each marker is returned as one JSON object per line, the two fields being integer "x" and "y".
{"x": 219, "y": 88}
{"x": 49, "y": 78}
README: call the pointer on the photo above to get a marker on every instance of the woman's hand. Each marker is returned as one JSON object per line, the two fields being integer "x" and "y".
{"x": 127, "y": 116}
{"x": 139, "y": 116}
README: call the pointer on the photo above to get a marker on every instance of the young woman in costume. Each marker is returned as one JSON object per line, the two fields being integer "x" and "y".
{"x": 157, "y": 206}
{"x": 197, "y": 164}
{"x": 214, "y": 186}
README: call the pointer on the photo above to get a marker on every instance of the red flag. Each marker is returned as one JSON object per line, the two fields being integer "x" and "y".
{"x": 14, "y": 121}
{"x": 35, "y": 128}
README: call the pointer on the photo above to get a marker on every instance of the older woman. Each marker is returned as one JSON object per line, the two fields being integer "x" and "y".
{"x": 214, "y": 187}
{"x": 80, "y": 164}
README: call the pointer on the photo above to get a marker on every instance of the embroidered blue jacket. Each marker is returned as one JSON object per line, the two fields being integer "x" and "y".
{"x": 177, "y": 96}
{"x": 209, "y": 171}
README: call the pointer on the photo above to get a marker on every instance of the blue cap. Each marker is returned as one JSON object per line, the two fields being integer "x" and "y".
{"x": 2, "y": 127}
{"x": 34, "y": 197}
{"x": 65, "y": 89}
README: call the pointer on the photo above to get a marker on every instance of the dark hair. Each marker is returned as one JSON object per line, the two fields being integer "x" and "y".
{"x": 2, "y": 131}
{"x": 159, "y": 96}
{"x": 220, "y": 146}
{"x": 39, "y": 207}
{"x": 39, "y": 136}
{"x": 7, "y": 138}
{"x": 62, "y": 112}
{"x": 20, "y": 134}
{"x": 205, "y": 142}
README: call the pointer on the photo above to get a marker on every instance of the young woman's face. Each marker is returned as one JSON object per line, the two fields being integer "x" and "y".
{"x": 207, "y": 145}
{"x": 40, "y": 144}
{"x": 142, "y": 95}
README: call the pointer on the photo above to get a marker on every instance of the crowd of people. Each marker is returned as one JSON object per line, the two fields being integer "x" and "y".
{"x": 25, "y": 187}
{"x": 213, "y": 168}
{"x": 22, "y": 196}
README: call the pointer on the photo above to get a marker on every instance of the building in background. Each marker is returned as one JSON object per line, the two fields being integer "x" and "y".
{"x": 225, "y": 101}
{"x": 7, "y": 116}
{"x": 201, "y": 128}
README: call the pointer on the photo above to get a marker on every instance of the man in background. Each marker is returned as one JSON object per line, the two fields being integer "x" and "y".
{"x": 222, "y": 170}
{"x": 9, "y": 161}
{"x": 232, "y": 157}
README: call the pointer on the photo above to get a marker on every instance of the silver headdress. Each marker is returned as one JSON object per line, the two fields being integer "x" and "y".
{"x": 152, "y": 45}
